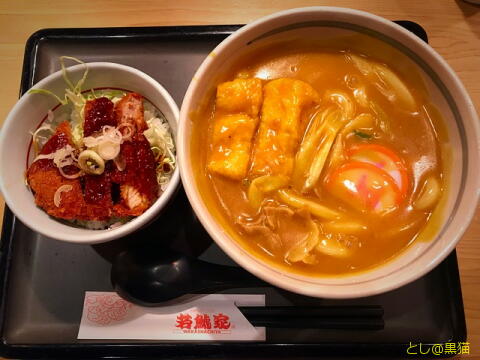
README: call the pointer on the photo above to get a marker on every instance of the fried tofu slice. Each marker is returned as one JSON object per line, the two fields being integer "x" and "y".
{"x": 236, "y": 119}
{"x": 232, "y": 143}
{"x": 240, "y": 96}
{"x": 280, "y": 127}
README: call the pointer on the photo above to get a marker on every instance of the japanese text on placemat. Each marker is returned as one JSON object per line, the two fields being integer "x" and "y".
{"x": 203, "y": 323}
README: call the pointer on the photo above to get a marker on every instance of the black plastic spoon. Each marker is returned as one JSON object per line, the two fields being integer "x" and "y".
{"x": 150, "y": 279}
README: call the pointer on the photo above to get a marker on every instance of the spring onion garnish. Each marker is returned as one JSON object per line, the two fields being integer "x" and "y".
{"x": 90, "y": 162}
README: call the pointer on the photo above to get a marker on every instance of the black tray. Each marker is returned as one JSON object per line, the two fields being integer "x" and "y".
{"x": 43, "y": 281}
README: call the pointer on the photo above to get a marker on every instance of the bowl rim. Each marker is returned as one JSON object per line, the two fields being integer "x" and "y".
{"x": 90, "y": 236}
{"x": 277, "y": 276}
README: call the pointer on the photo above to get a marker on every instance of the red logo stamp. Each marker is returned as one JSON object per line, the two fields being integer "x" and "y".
{"x": 202, "y": 323}
{"x": 106, "y": 308}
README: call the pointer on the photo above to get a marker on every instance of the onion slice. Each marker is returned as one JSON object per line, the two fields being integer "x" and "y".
{"x": 71, "y": 176}
{"x": 44, "y": 156}
{"x": 130, "y": 130}
{"x": 57, "y": 196}
{"x": 61, "y": 158}
{"x": 108, "y": 150}
{"x": 120, "y": 162}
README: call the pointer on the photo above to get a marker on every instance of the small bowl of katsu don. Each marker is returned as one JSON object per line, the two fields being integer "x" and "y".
{"x": 330, "y": 152}
{"x": 88, "y": 154}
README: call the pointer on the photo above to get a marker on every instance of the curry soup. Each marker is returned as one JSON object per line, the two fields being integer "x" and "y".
{"x": 322, "y": 161}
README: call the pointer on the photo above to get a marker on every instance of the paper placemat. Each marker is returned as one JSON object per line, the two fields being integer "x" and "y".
{"x": 213, "y": 317}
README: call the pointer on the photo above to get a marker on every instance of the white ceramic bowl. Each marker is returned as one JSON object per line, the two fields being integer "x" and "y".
{"x": 447, "y": 94}
{"x": 25, "y": 116}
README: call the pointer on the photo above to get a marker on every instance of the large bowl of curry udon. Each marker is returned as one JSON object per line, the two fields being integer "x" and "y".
{"x": 330, "y": 152}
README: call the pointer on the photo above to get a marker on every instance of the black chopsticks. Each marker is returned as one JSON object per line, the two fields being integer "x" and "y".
{"x": 316, "y": 317}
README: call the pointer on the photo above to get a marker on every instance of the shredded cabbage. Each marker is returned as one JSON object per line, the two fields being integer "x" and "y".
{"x": 161, "y": 142}
{"x": 72, "y": 92}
